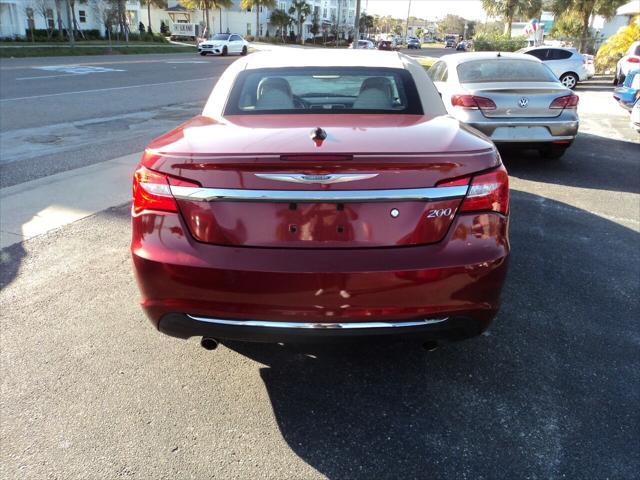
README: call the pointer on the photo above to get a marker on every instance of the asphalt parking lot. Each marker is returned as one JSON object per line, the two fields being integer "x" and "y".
{"x": 90, "y": 390}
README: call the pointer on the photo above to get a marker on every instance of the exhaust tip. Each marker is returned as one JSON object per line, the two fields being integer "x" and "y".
{"x": 209, "y": 343}
{"x": 430, "y": 346}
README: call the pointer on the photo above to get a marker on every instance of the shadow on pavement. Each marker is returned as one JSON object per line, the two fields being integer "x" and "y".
{"x": 10, "y": 261}
{"x": 551, "y": 392}
{"x": 591, "y": 162}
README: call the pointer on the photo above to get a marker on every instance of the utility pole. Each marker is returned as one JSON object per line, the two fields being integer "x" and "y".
{"x": 70, "y": 24}
{"x": 356, "y": 35}
{"x": 406, "y": 28}
{"x": 338, "y": 22}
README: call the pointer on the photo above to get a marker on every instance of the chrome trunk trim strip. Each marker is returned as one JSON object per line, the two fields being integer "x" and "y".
{"x": 241, "y": 195}
{"x": 318, "y": 326}
{"x": 320, "y": 179}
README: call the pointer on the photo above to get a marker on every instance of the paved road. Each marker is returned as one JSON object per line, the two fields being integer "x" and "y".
{"x": 90, "y": 390}
{"x": 63, "y": 113}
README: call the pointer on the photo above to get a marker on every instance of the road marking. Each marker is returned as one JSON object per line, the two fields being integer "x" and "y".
{"x": 105, "y": 89}
{"x": 46, "y": 76}
{"x": 116, "y": 62}
{"x": 77, "y": 69}
{"x": 70, "y": 70}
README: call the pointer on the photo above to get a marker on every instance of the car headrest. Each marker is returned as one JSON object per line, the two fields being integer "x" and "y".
{"x": 270, "y": 84}
{"x": 378, "y": 83}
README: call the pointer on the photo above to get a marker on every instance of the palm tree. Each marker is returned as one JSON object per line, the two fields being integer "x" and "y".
{"x": 249, "y": 4}
{"x": 205, "y": 6}
{"x": 302, "y": 10}
{"x": 281, "y": 20}
{"x": 584, "y": 9}
{"x": 155, "y": 3}
{"x": 509, "y": 9}
{"x": 367, "y": 22}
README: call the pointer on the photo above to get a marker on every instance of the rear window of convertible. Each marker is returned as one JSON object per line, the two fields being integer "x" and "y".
{"x": 324, "y": 90}
{"x": 504, "y": 70}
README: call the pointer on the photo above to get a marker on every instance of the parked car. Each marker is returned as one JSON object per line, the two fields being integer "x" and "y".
{"x": 414, "y": 43}
{"x": 461, "y": 47}
{"x": 626, "y": 93}
{"x": 321, "y": 195}
{"x": 364, "y": 45}
{"x": 566, "y": 63}
{"x": 450, "y": 41}
{"x": 630, "y": 61}
{"x": 513, "y": 98}
{"x": 634, "y": 120}
{"x": 589, "y": 65}
{"x": 224, "y": 44}
{"x": 385, "y": 45}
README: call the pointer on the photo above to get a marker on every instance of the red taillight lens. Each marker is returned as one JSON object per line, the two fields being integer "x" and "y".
{"x": 487, "y": 192}
{"x": 472, "y": 102}
{"x": 633, "y": 60}
{"x": 566, "y": 101}
{"x": 151, "y": 191}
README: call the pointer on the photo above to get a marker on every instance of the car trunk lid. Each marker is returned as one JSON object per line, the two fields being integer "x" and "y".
{"x": 519, "y": 99}
{"x": 371, "y": 183}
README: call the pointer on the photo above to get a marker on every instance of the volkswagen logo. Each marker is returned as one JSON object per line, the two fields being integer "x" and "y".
{"x": 523, "y": 102}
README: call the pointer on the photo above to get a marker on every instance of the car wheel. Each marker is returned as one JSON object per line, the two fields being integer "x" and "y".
{"x": 621, "y": 78}
{"x": 569, "y": 80}
{"x": 244, "y": 51}
{"x": 224, "y": 51}
{"x": 552, "y": 152}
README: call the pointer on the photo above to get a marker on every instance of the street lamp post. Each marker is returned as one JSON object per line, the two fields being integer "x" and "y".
{"x": 356, "y": 34}
{"x": 406, "y": 27}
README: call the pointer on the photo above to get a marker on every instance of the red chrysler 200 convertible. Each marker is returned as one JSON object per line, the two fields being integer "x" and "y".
{"x": 321, "y": 195}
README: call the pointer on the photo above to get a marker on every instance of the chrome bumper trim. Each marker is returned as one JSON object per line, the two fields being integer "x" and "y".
{"x": 241, "y": 195}
{"x": 318, "y": 326}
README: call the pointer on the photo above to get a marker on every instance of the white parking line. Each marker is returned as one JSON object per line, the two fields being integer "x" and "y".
{"x": 47, "y": 76}
{"x": 104, "y": 89}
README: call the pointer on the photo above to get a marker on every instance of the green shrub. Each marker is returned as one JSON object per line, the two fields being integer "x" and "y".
{"x": 498, "y": 43}
{"x": 40, "y": 35}
{"x": 615, "y": 47}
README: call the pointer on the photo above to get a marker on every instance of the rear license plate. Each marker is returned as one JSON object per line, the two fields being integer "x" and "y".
{"x": 520, "y": 133}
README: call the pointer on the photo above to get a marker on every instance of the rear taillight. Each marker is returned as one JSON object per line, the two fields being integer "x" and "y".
{"x": 151, "y": 191}
{"x": 633, "y": 60}
{"x": 472, "y": 102}
{"x": 487, "y": 192}
{"x": 566, "y": 101}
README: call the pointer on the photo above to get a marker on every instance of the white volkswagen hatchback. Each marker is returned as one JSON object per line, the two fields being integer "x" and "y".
{"x": 566, "y": 63}
{"x": 224, "y": 44}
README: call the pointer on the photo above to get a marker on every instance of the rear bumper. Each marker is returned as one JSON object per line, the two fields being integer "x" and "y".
{"x": 529, "y": 130}
{"x": 183, "y": 282}
{"x": 448, "y": 329}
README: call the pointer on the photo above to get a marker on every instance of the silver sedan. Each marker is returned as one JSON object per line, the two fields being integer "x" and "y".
{"x": 512, "y": 98}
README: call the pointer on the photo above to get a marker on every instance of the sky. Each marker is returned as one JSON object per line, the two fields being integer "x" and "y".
{"x": 430, "y": 9}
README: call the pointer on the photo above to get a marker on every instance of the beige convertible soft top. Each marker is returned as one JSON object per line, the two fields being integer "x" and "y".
{"x": 298, "y": 57}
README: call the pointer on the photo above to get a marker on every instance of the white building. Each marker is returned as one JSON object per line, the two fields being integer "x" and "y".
{"x": 623, "y": 17}
{"x": 18, "y": 16}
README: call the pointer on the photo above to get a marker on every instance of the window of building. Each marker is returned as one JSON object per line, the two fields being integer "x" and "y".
{"x": 282, "y": 6}
{"x": 82, "y": 16}
{"x": 50, "y": 22}
{"x": 248, "y": 29}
